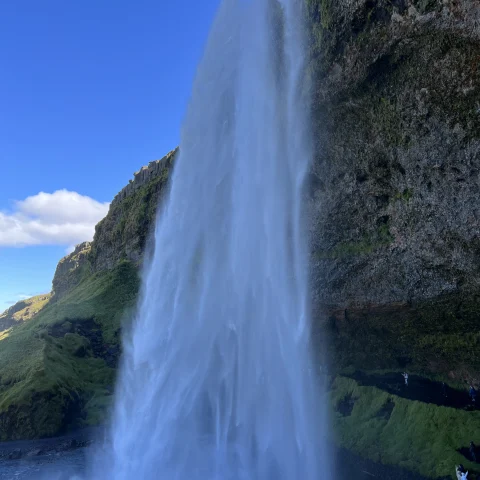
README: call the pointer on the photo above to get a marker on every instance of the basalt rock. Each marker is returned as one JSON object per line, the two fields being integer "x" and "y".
{"x": 394, "y": 206}
{"x": 123, "y": 233}
{"x": 71, "y": 269}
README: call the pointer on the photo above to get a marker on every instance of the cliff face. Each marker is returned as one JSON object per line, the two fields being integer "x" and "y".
{"x": 71, "y": 269}
{"x": 123, "y": 233}
{"x": 394, "y": 209}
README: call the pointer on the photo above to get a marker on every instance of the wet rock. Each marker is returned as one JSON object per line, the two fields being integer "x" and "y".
{"x": 15, "y": 454}
{"x": 397, "y": 138}
{"x": 35, "y": 452}
{"x": 68, "y": 445}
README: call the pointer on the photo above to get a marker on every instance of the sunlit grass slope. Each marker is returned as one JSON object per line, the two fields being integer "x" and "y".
{"x": 56, "y": 370}
{"x": 23, "y": 310}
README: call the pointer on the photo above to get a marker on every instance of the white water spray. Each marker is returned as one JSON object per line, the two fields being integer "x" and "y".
{"x": 217, "y": 380}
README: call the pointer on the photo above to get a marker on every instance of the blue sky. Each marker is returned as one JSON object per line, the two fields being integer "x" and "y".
{"x": 89, "y": 92}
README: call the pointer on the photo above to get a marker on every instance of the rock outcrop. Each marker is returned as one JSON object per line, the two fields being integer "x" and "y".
{"x": 395, "y": 215}
{"x": 152, "y": 171}
{"x": 123, "y": 233}
{"x": 70, "y": 270}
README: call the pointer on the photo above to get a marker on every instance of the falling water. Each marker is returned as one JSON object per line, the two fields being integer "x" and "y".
{"x": 217, "y": 381}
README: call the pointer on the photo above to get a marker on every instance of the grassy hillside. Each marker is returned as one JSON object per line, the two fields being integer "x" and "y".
{"x": 57, "y": 371}
{"x": 23, "y": 311}
{"x": 386, "y": 428}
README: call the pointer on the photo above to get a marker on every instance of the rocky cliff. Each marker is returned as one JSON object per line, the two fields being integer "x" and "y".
{"x": 123, "y": 233}
{"x": 395, "y": 215}
{"x": 71, "y": 269}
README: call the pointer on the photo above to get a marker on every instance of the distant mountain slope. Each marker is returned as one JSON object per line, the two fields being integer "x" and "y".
{"x": 23, "y": 310}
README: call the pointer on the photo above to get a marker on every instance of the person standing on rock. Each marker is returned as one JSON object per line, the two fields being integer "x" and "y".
{"x": 473, "y": 455}
{"x": 405, "y": 376}
{"x": 473, "y": 394}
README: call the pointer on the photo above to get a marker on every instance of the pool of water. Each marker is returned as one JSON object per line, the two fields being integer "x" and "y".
{"x": 65, "y": 466}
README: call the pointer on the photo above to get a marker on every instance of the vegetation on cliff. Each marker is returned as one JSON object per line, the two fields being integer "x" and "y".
{"x": 57, "y": 370}
{"x": 393, "y": 214}
{"x": 124, "y": 232}
{"x": 71, "y": 269}
{"x": 388, "y": 429}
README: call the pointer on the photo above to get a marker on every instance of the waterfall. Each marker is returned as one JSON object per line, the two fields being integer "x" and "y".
{"x": 217, "y": 379}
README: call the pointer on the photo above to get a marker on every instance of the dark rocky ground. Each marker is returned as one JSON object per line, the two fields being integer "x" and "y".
{"x": 60, "y": 458}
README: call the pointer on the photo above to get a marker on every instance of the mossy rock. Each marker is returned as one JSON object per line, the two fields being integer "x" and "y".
{"x": 385, "y": 428}
{"x": 438, "y": 336}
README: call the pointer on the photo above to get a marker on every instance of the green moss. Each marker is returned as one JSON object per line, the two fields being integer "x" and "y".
{"x": 386, "y": 115}
{"x": 436, "y": 336}
{"x": 368, "y": 243}
{"x": 418, "y": 436}
{"x": 47, "y": 382}
{"x": 320, "y": 24}
{"x": 132, "y": 218}
{"x": 425, "y": 6}
{"x": 405, "y": 196}
{"x": 325, "y": 13}
{"x": 98, "y": 407}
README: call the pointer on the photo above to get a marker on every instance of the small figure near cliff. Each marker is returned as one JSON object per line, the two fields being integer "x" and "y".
{"x": 473, "y": 455}
{"x": 405, "y": 376}
{"x": 473, "y": 393}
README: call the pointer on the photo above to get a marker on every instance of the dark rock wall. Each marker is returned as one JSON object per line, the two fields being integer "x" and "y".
{"x": 395, "y": 205}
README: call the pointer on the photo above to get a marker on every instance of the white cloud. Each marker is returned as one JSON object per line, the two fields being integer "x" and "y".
{"x": 60, "y": 218}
